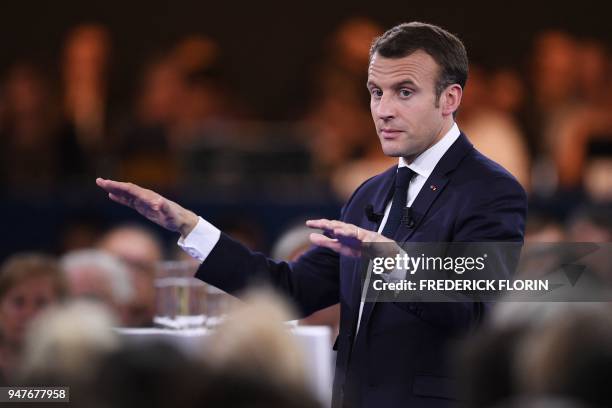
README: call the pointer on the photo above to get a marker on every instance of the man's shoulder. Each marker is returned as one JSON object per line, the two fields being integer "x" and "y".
{"x": 479, "y": 182}
{"x": 479, "y": 169}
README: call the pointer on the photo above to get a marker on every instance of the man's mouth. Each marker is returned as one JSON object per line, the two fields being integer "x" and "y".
{"x": 389, "y": 133}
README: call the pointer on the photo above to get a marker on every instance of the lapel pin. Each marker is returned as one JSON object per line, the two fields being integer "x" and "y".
{"x": 433, "y": 188}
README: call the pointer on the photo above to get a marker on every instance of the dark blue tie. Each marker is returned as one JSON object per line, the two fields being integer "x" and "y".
{"x": 398, "y": 205}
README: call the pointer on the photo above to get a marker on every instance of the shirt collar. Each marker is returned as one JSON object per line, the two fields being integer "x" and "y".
{"x": 425, "y": 163}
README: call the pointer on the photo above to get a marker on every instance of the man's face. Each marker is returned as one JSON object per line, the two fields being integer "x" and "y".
{"x": 403, "y": 102}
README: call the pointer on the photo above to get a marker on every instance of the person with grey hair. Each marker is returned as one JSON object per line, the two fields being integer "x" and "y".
{"x": 65, "y": 346}
{"x": 95, "y": 274}
{"x": 65, "y": 341}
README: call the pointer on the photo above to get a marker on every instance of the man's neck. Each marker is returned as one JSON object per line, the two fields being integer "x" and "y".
{"x": 446, "y": 126}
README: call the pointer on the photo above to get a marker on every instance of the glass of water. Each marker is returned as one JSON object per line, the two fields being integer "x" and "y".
{"x": 180, "y": 298}
{"x": 218, "y": 304}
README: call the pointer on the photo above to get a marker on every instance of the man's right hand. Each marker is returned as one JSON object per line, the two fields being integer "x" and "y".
{"x": 155, "y": 207}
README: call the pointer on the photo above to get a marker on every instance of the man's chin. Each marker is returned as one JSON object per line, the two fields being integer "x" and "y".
{"x": 396, "y": 149}
{"x": 394, "y": 152}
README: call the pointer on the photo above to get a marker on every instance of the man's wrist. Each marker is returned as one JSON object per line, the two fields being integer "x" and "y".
{"x": 190, "y": 220}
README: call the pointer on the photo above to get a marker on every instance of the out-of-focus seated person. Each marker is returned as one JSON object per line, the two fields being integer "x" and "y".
{"x": 488, "y": 121}
{"x": 141, "y": 250}
{"x": 97, "y": 275}
{"x": 29, "y": 283}
{"x": 64, "y": 347}
{"x": 543, "y": 228}
{"x": 339, "y": 114}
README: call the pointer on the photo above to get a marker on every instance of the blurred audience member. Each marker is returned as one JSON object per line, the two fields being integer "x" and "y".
{"x": 591, "y": 224}
{"x": 232, "y": 388}
{"x": 570, "y": 357}
{"x": 65, "y": 344}
{"x": 583, "y": 134}
{"x": 144, "y": 151}
{"x": 543, "y": 228}
{"x": 97, "y": 275}
{"x": 554, "y": 69}
{"x": 85, "y": 66}
{"x": 569, "y": 115}
{"x": 552, "y": 85}
{"x": 206, "y": 97}
{"x": 593, "y": 71}
{"x": 347, "y": 177}
{"x": 292, "y": 243}
{"x": 150, "y": 374}
{"x": 140, "y": 249}
{"x": 486, "y": 360}
{"x": 340, "y": 115}
{"x": 159, "y": 375}
{"x": 29, "y": 283}
{"x": 486, "y": 116}
{"x": 500, "y": 362}
{"x": 81, "y": 230}
{"x": 254, "y": 341}
{"x": 28, "y": 131}
{"x": 288, "y": 247}
{"x": 183, "y": 95}
{"x": 507, "y": 90}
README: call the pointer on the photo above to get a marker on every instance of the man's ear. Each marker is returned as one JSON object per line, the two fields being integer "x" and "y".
{"x": 450, "y": 99}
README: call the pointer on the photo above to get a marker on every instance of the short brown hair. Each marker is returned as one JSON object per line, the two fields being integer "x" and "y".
{"x": 446, "y": 49}
{"x": 20, "y": 267}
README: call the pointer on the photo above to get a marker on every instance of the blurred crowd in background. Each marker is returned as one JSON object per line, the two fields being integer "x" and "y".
{"x": 546, "y": 119}
{"x": 185, "y": 129}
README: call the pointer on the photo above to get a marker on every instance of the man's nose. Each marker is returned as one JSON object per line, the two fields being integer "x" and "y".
{"x": 385, "y": 108}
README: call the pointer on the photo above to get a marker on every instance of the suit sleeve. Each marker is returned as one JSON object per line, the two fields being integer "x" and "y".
{"x": 496, "y": 215}
{"x": 311, "y": 281}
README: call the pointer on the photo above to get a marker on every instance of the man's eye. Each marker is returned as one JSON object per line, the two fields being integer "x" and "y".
{"x": 404, "y": 93}
{"x": 377, "y": 93}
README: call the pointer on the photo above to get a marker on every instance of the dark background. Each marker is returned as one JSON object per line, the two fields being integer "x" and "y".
{"x": 269, "y": 47}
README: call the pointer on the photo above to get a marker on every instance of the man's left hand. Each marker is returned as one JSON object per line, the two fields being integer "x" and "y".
{"x": 346, "y": 239}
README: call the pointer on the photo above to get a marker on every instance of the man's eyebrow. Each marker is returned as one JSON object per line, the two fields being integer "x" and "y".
{"x": 409, "y": 82}
{"x": 404, "y": 83}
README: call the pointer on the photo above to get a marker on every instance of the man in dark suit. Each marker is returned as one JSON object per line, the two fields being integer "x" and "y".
{"x": 389, "y": 354}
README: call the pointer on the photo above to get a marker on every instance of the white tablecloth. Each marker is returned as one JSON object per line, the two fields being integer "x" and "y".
{"x": 315, "y": 341}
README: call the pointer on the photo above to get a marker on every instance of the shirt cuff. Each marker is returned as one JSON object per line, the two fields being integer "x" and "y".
{"x": 201, "y": 240}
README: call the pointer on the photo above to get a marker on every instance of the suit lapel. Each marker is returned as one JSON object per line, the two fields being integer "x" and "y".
{"x": 380, "y": 198}
{"x": 431, "y": 190}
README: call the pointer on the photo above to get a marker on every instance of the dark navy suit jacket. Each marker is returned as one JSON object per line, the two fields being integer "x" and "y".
{"x": 400, "y": 355}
